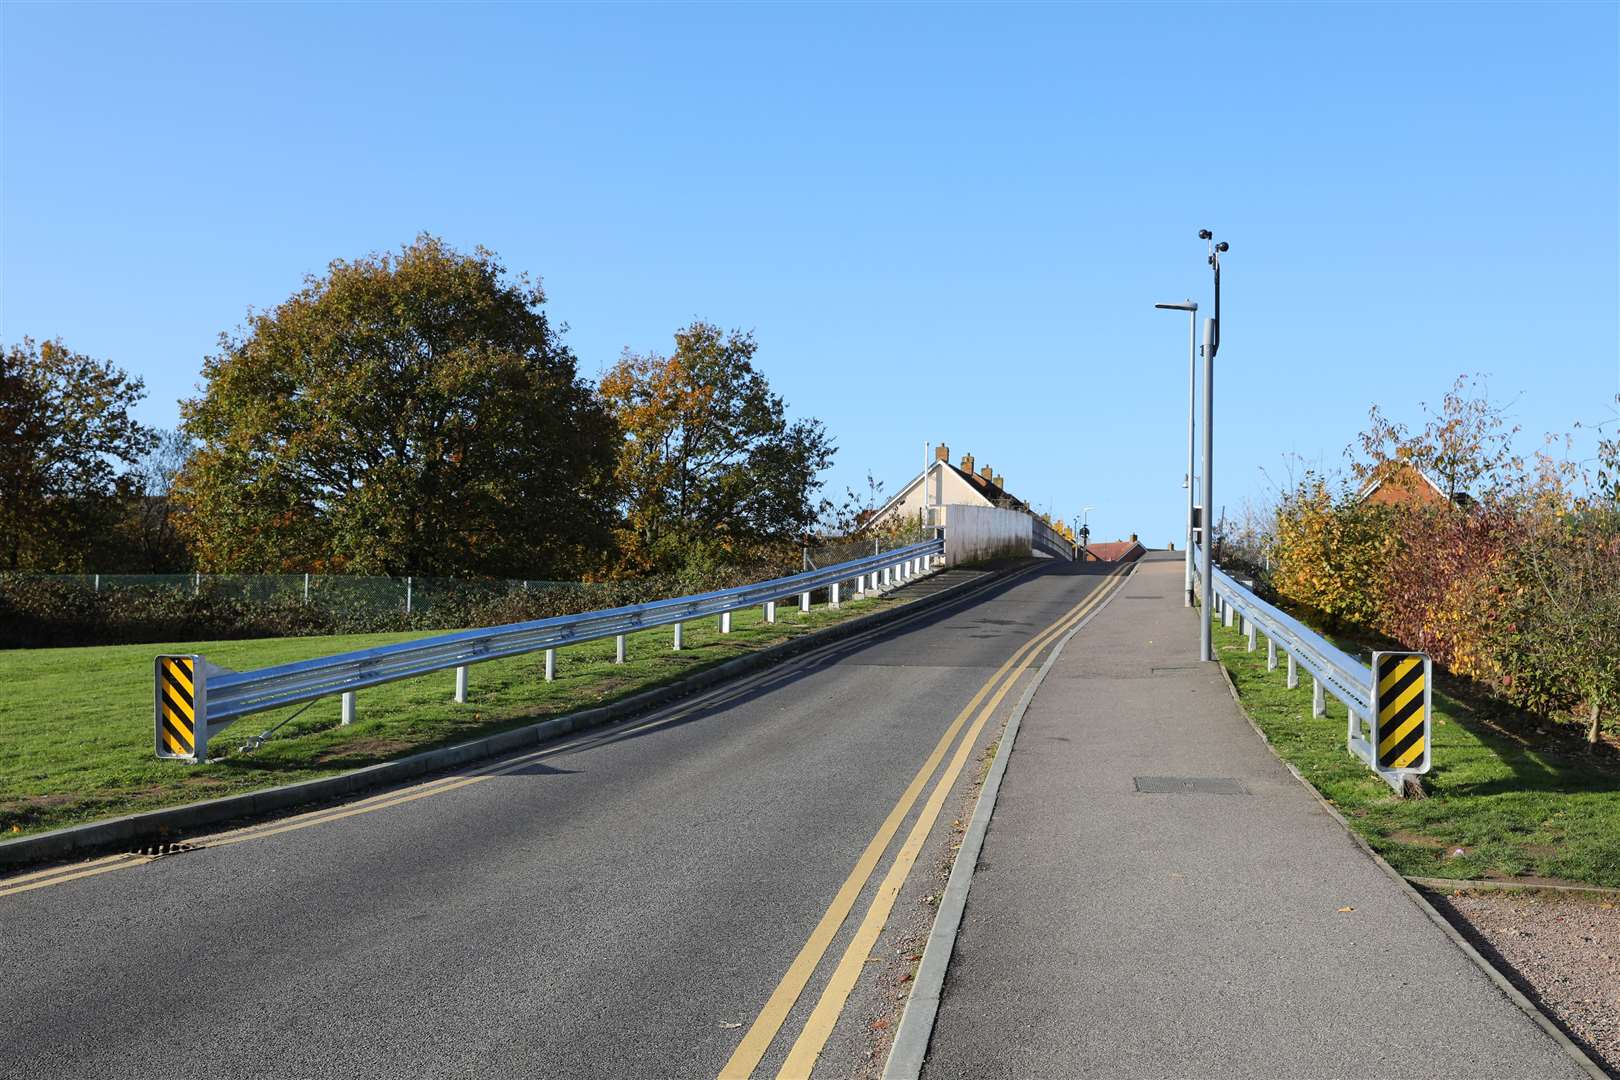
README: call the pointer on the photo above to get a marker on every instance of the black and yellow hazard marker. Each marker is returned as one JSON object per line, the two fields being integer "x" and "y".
{"x": 177, "y": 707}
{"x": 1401, "y": 708}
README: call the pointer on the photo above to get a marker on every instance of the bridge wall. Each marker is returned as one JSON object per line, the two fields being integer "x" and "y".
{"x": 973, "y": 533}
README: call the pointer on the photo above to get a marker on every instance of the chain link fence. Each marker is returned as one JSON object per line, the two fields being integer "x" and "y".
{"x": 410, "y": 595}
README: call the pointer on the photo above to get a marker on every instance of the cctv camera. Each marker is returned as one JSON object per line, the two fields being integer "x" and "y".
{"x": 1204, "y": 234}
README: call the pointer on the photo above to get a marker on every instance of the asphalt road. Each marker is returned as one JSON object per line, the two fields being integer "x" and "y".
{"x": 620, "y": 905}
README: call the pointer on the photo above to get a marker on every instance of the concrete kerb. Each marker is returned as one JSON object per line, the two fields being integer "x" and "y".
{"x": 1539, "y": 1016}
{"x": 169, "y": 823}
{"x": 916, "y": 1029}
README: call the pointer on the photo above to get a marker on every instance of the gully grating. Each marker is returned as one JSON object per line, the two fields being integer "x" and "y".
{"x": 1189, "y": 785}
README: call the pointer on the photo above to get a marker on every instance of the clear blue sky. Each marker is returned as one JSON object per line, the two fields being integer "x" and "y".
{"x": 943, "y": 223}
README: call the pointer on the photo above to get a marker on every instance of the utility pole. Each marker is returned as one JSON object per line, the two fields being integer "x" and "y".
{"x": 1191, "y": 309}
{"x": 1212, "y": 343}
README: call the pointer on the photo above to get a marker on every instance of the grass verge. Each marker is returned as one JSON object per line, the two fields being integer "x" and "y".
{"x": 76, "y": 723}
{"x": 1497, "y": 809}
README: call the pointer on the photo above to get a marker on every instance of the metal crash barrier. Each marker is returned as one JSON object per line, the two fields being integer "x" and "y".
{"x": 195, "y": 700}
{"x": 1388, "y": 703}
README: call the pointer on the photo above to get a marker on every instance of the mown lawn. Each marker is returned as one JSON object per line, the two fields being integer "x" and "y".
{"x": 1498, "y": 807}
{"x": 76, "y": 724}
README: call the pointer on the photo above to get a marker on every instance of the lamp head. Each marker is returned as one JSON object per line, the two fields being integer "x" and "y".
{"x": 1205, "y": 234}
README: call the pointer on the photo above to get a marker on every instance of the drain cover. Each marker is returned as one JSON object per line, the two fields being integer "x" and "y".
{"x": 1190, "y": 785}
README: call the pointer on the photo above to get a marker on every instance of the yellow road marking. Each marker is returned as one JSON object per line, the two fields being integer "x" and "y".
{"x": 763, "y": 1031}
{"x": 818, "y": 1028}
{"x": 133, "y": 860}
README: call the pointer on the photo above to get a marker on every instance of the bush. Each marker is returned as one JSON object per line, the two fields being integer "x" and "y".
{"x": 40, "y": 612}
{"x": 1329, "y": 557}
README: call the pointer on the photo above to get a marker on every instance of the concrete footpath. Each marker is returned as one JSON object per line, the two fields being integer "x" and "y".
{"x": 1113, "y": 932}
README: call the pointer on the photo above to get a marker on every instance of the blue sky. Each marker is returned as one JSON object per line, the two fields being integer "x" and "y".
{"x": 943, "y": 223}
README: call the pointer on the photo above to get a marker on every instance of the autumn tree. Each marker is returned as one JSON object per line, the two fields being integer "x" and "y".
{"x": 709, "y": 456}
{"x": 410, "y": 413}
{"x": 1465, "y": 444}
{"x": 65, "y": 429}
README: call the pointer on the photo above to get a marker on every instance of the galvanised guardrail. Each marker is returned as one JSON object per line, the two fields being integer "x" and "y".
{"x": 1051, "y": 541}
{"x": 1388, "y": 703}
{"x": 196, "y": 700}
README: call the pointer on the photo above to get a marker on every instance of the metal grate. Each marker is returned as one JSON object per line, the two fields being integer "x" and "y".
{"x": 1189, "y": 785}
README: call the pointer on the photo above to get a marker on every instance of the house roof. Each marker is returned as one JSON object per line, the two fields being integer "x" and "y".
{"x": 1116, "y": 550}
{"x": 1388, "y": 472}
{"x": 993, "y": 493}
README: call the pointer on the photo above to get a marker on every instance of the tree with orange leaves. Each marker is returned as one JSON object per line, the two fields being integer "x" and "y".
{"x": 710, "y": 462}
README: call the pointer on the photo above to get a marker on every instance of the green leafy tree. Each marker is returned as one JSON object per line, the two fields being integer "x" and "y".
{"x": 65, "y": 427}
{"x": 710, "y": 458}
{"x": 410, "y": 413}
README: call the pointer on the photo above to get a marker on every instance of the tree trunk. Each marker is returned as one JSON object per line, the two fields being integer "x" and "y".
{"x": 1592, "y": 728}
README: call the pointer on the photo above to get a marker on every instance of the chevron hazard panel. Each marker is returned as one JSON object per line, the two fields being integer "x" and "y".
{"x": 176, "y": 706}
{"x": 1401, "y": 710}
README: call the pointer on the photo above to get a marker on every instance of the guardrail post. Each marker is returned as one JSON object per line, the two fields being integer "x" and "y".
{"x": 770, "y": 611}
{"x": 1226, "y": 614}
{"x": 461, "y": 685}
{"x": 832, "y": 600}
{"x": 1271, "y": 655}
{"x": 677, "y": 637}
{"x": 804, "y": 601}
{"x": 725, "y": 622}
{"x": 618, "y": 649}
{"x": 348, "y": 709}
{"x": 551, "y": 664}
{"x": 1248, "y": 628}
{"x": 1318, "y": 703}
{"x": 887, "y": 576}
{"x": 1293, "y": 673}
{"x": 860, "y": 585}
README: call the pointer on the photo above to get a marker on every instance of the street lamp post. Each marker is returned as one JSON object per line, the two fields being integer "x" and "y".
{"x": 1191, "y": 309}
{"x": 1212, "y": 343}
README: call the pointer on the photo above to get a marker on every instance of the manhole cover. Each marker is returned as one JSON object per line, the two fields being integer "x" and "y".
{"x": 1190, "y": 785}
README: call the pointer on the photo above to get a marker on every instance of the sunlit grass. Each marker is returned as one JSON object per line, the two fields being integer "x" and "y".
{"x": 76, "y": 724}
{"x": 1496, "y": 807}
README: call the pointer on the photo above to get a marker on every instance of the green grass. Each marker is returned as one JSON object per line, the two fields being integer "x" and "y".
{"x": 76, "y": 724}
{"x": 1498, "y": 807}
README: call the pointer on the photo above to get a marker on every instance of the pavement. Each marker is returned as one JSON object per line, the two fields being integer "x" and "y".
{"x": 621, "y": 903}
{"x": 1114, "y": 933}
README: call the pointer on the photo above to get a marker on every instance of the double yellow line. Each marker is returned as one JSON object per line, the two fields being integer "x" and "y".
{"x": 802, "y": 1055}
